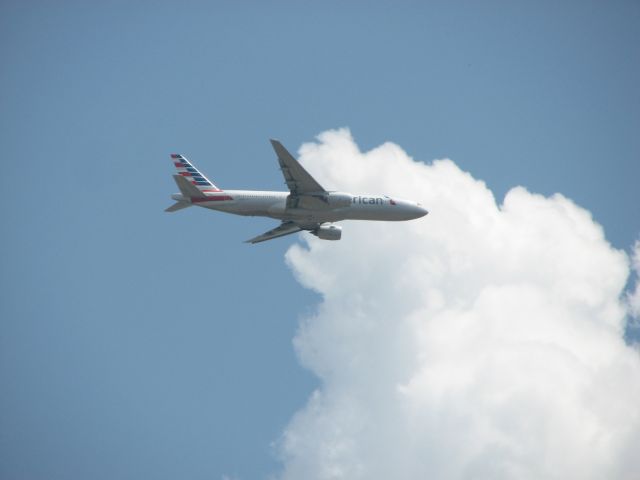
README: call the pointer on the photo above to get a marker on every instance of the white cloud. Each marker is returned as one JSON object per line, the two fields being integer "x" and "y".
{"x": 634, "y": 296}
{"x": 481, "y": 341}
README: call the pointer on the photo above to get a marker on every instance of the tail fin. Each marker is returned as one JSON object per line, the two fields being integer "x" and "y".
{"x": 192, "y": 174}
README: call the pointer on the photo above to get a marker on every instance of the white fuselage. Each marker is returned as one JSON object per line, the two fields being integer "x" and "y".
{"x": 309, "y": 209}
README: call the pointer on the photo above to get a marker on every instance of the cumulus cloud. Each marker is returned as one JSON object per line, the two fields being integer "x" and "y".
{"x": 483, "y": 341}
{"x": 634, "y": 296}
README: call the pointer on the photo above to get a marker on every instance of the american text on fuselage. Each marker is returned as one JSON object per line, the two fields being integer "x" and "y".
{"x": 368, "y": 200}
{"x": 338, "y": 199}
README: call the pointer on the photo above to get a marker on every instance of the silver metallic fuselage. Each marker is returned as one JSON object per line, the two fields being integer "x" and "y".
{"x": 311, "y": 209}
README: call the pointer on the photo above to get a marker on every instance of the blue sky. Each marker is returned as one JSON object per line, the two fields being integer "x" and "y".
{"x": 136, "y": 343}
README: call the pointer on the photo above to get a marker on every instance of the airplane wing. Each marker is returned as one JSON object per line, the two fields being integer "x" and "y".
{"x": 285, "y": 228}
{"x": 297, "y": 178}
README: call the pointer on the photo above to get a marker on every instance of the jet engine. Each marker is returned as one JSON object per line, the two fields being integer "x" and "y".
{"x": 328, "y": 232}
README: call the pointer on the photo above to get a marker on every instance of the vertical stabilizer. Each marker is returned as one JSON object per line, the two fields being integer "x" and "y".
{"x": 192, "y": 174}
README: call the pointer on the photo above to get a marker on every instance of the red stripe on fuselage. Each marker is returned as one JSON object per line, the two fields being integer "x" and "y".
{"x": 217, "y": 198}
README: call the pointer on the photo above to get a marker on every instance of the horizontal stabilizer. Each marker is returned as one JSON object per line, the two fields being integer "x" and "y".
{"x": 177, "y": 206}
{"x": 188, "y": 189}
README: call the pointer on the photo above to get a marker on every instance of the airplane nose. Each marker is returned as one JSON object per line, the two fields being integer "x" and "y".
{"x": 421, "y": 211}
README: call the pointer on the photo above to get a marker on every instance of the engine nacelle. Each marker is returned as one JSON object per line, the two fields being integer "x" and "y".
{"x": 328, "y": 232}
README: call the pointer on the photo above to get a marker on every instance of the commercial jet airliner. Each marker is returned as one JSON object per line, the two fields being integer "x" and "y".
{"x": 306, "y": 206}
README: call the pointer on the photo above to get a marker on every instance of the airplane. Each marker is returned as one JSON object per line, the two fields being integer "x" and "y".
{"x": 306, "y": 206}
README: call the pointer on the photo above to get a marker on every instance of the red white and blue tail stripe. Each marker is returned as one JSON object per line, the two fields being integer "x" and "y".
{"x": 186, "y": 169}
